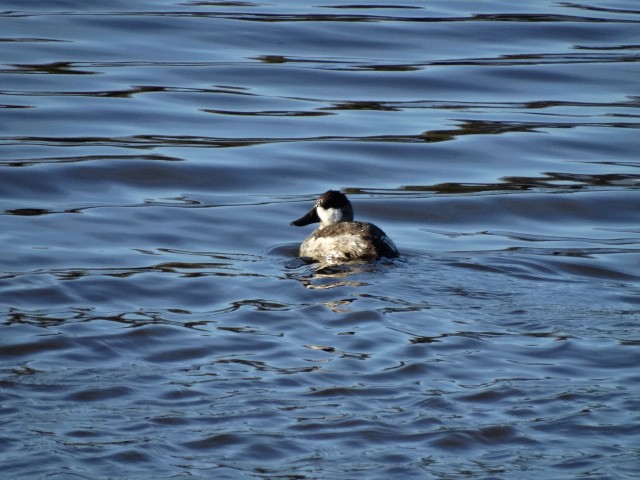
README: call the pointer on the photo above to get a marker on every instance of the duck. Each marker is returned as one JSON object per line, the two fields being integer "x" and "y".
{"x": 339, "y": 238}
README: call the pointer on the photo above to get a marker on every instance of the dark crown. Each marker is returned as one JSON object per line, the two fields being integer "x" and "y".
{"x": 333, "y": 199}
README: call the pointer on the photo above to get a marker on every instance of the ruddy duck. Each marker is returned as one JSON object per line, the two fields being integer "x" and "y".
{"x": 339, "y": 238}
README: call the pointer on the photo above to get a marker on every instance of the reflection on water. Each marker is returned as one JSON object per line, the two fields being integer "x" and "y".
{"x": 156, "y": 321}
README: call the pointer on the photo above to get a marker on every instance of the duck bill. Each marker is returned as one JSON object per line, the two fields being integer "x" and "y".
{"x": 311, "y": 217}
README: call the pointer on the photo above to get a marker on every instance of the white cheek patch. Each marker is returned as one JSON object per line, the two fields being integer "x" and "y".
{"x": 329, "y": 216}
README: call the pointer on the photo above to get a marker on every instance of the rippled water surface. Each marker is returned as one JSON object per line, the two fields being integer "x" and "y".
{"x": 155, "y": 321}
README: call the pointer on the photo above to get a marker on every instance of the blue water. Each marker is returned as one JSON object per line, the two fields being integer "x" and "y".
{"x": 156, "y": 322}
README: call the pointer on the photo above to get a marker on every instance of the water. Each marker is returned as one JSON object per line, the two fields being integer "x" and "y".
{"x": 156, "y": 322}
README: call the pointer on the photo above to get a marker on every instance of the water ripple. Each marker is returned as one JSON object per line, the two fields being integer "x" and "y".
{"x": 153, "y": 157}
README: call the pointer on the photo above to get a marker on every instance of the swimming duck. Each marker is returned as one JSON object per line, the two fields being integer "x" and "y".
{"x": 339, "y": 238}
